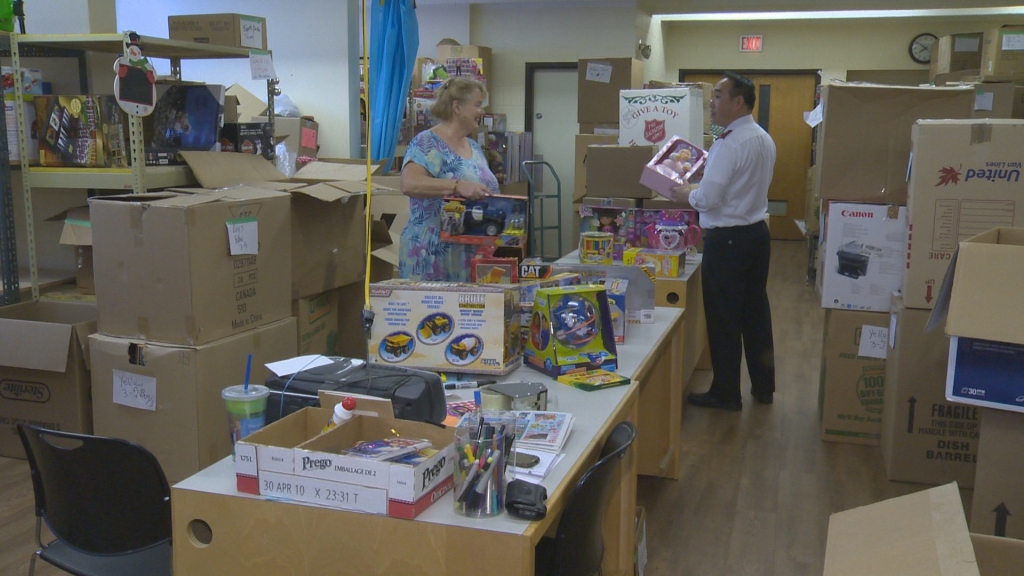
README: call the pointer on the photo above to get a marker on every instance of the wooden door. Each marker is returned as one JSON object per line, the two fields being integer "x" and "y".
{"x": 781, "y": 101}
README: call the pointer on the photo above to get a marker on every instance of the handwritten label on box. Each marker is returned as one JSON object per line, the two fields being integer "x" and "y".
{"x": 252, "y": 32}
{"x": 261, "y": 64}
{"x": 308, "y": 138}
{"x": 134, "y": 390}
{"x": 1013, "y": 41}
{"x": 243, "y": 236}
{"x": 599, "y": 72}
{"x": 874, "y": 341}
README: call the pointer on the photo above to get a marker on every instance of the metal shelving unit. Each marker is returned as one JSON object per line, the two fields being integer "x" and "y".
{"x": 138, "y": 178}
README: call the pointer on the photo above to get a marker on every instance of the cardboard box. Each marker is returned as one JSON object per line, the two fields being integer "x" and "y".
{"x": 850, "y": 393}
{"x": 446, "y": 327}
{"x": 998, "y": 496}
{"x": 234, "y": 30}
{"x": 198, "y": 267}
{"x": 925, "y": 439}
{"x": 614, "y": 171}
{"x": 351, "y": 339}
{"x": 77, "y": 232}
{"x": 167, "y": 397}
{"x": 667, "y": 263}
{"x": 653, "y": 116}
{"x": 863, "y": 145}
{"x": 599, "y": 83}
{"x": 601, "y": 129}
{"x": 68, "y": 138}
{"x": 248, "y": 138}
{"x": 961, "y": 77}
{"x": 249, "y": 106}
{"x": 921, "y": 534}
{"x": 812, "y": 206}
{"x": 963, "y": 182}
{"x": 1002, "y": 52}
{"x": 300, "y": 135}
{"x": 864, "y": 250}
{"x": 956, "y": 52}
{"x": 582, "y": 142}
{"x": 317, "y": 318}
{"x": 998, "y": 100}
{"x": 327, "y": 204}
{"x": 44, "y": 369}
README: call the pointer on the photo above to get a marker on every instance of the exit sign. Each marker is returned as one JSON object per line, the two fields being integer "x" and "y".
{"x": 750, "y": 43}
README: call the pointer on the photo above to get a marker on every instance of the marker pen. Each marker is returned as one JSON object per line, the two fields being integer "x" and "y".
{"x": 467, "y": 385}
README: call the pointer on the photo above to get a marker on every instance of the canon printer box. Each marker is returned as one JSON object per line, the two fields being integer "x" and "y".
{"x": 865, "y": 255}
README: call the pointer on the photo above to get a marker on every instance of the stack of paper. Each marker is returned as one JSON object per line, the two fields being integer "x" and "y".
{"x": 545, "y": 431}
{"x": 548, "y": 460}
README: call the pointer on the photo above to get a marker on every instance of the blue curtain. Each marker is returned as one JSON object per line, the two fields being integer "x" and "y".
{"x": 394, "y": 41}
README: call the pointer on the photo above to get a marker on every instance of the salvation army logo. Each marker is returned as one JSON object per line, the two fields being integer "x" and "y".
{"x": 654, "y": 131}
{"x": 949, "y": 175}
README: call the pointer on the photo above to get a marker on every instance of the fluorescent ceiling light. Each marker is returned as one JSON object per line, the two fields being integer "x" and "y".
{"x": 841, "y": 14}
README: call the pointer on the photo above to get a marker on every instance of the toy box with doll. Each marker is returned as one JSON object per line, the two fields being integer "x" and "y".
{"x": 610, "y": 219}
{"x": 570, "y": 331}
{"x": 446, "y": 326}
{"x": 491, "y": 221}
{"x": 667, "y": 263}
{"x": 667, "y": 229}
{"x": 675, "y": 164}
{"x": 85, "y": 131}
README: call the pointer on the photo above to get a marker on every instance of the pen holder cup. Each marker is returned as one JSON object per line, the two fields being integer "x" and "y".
{"x": 480, "y": 469}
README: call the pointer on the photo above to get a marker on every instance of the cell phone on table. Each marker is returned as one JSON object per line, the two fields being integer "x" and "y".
{"x": 523, "y": 460}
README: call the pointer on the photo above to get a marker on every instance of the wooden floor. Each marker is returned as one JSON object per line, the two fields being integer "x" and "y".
{"x": 757, "y": 486}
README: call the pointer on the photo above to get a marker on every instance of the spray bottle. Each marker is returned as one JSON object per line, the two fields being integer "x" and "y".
{"x": 342, "y": 412}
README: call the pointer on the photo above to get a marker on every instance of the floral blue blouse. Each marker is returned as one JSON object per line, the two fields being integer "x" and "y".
{"x": 422, "y": 255}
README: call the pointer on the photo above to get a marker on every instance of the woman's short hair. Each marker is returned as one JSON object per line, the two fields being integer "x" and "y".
{"x": 459, "y": 89}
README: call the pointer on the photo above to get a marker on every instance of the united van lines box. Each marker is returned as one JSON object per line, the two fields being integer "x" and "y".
{"x": 446, "y": 326}
{"x": 167, "y": 397}
{"x": 1002, "y": 53}
{"x": 582, "y": 141}
{"x": 863, "y": 145}
{"x": 234, "y": 30}
{"x": 864, "y": 256}
{"x": 956, "y": 52}
{"x": 651, "y": 117}
{"x": 317, "y": 318}
{"x": 999, "y": 481}
{"x": 614, "y": 171}
{"x": 965, "y": 180}
{"x": 44, "y": 369}
{"x": 925, "y": 439}
{"x": 191, "y": 268}
{"x": 851, "y": 387}
{"x": 598, "y": 86}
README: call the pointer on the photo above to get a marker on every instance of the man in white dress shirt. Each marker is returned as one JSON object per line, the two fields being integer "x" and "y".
{"x": 732, "y": 200}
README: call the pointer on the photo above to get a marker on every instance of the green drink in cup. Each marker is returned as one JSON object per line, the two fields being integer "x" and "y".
{"x": 247, "y": 409}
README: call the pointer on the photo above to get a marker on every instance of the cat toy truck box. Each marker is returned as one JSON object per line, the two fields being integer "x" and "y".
{"x": 446, "y": 326}
{"x": 571, "y": 331}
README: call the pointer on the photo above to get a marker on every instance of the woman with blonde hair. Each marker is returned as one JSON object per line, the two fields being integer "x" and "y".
{"x": 443, "y": 161}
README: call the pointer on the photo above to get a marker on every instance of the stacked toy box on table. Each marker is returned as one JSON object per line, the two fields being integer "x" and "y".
{"x": 571, "y": 331}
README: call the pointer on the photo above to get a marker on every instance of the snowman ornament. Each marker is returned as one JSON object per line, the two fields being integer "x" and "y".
{"x": 134, "y": 79}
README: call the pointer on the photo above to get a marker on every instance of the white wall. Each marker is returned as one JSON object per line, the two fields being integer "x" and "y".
{"x": 521, "y": 33}
{"x": 652, "y": 32}
{"x": 316, "y": 51}
{"x": 439, "y": 22}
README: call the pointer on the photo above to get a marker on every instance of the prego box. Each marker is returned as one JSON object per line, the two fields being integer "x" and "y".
{"x": 864, "y": 251}
{"x": 446, "y": 327}
{"x": 850, "y": 393}
{"x": 925, "y": 438}
{"x": 651, "y": 117}
{"x": 234, "y": 30}
{"x": 44, "y": 369}
{"x": 965, "y": 180}
{"x": 191, "y": 268}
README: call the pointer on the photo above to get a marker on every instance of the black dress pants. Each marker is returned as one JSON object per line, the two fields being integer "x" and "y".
{"x": 734, "y": 281}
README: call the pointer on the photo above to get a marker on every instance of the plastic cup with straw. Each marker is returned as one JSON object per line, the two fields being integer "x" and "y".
{"x": 246, "y": 406}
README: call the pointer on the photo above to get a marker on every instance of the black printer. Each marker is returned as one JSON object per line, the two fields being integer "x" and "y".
{"x": 853, "y": 262}
{"x": 415, "y": 394}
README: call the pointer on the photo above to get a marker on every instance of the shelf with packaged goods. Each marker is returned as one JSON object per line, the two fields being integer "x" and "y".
{"x": 109, "y": 178}
{"x": 113, "y": 44}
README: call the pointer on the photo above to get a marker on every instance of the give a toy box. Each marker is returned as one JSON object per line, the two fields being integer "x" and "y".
{"x": 571, "y": 331}
{"x": 491, "y": 221}
{"x": 446, "y": 326}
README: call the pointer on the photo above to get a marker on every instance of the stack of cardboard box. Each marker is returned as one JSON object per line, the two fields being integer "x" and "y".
{"x": 992, "y": 62}
{"x": 863, "y": 151}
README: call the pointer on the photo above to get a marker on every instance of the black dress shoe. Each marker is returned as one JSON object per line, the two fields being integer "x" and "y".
{"x": 763, "y": 398}
{"x": 706, "y": 400}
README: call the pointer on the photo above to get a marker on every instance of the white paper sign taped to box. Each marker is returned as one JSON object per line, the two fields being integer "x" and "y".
{"x": 599, "y": 72}
{"x": 243, "y": 236}
{"x": 874, "y": 341}
{"x": 134, "y": 390}
{"x": 1013, "y": 42}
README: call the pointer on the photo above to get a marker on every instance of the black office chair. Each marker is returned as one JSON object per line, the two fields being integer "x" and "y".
{"x": 578, "y": 546}
{"x": 105, "y": 500}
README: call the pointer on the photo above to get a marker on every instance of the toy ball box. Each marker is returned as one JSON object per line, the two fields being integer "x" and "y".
{"x": 667, "y": 263}
{"x": 528, "y": 293}
{"x": 446, "y": 327}
{"x": 673, "y": 166}
{"x": 491, "y": 221}
{"x": 571, "y": 331}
